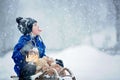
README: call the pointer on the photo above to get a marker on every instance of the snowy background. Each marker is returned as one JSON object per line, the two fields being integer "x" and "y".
{"x": 85, "y": 34}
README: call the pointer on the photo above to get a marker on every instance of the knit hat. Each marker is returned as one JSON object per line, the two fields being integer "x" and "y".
{"x": 25, "y": 24}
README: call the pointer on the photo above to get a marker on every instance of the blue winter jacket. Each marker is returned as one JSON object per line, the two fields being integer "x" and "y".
{"x": 18, "y": 58}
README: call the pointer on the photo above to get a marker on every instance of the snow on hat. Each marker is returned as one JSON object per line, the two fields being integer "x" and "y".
{"x": 25, "y": 24}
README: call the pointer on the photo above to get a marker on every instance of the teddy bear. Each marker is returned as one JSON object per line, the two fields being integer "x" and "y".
{"x": 42, "y": 64}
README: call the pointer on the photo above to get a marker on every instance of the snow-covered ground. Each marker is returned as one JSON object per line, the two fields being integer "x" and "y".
{"x": 86, "y": 62}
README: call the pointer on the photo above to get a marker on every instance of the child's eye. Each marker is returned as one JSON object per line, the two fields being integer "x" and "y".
{"x": 35, "y": 24}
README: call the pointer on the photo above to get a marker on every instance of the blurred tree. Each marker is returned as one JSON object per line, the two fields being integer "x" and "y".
{"x": 7, "y": 20}
{"x": 117, "y": 8}
{"x": 116, "y": 49}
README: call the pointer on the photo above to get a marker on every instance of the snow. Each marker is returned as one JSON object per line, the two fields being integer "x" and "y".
{"x": 86, "y": 62}
{"x": 6, "y": 67}
{"x": 74, "y": 21}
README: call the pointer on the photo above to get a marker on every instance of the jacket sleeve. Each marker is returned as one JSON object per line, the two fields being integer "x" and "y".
{"x": 44, "y": 47}
{"x": 17, "y": 56}
{"x": 41, "y": 47}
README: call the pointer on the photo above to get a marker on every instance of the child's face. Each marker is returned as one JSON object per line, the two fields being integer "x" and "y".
{"x": 35, "y": 29}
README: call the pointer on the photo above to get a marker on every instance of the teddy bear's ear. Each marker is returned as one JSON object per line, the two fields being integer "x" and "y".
{"x": 35, "y": 49}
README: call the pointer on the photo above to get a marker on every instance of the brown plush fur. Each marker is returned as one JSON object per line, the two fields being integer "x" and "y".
{"x": 44, "y": 63}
